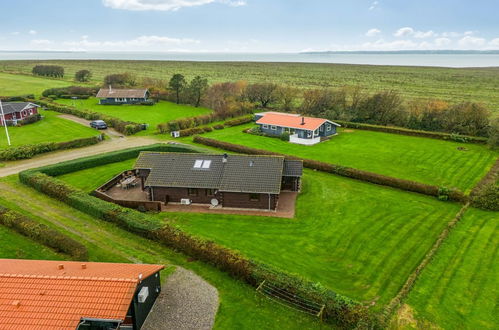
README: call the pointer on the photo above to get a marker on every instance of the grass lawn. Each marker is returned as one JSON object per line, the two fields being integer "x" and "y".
{"x": 49, "y": 129}
{"x": 358, "y": 239}
{"x": 459, "y": 288}
{"x": 425, "y": 160}
{"x": 16, "y": 246}
{"x": 13, "y": 85}
{"x": 152, "y": 115}
{"x": 240, "y": 307}
{"x": 451, "y": 84}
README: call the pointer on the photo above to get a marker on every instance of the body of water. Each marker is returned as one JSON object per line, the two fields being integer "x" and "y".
{"x": 443, "y": 60}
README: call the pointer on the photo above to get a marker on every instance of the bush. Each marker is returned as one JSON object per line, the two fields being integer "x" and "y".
{"x": 238, "y": 121}
{"x": 19, "y": 98}
{"x": 30, "y": 150}
{"x": 30, "y": 119}
{"x": 42, "y": 234}
{"x": 349, "y": 172}
{"x": 83, "y": 75}
{"x": 284, "y": 136}
{"x": 218, "y": 126}
{"x": 55, "y": 71}
{"x": 71, "y": 91}
{"x": 485, "y": 194}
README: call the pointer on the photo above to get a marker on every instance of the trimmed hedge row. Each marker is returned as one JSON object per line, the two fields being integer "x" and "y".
{"x": 42, "y": 234}
{"x": 124, "y": 127}
{"x": 29, "y": 150}
{"x": 422, "y": 188}
{"x": 411, "y": 132}
{"x": 485, "y": 195}
{"x": 340, "y": 310}
{"x": 408, "y": 285}
{"x": 238, "y": 121}
{"x": 193, "y": 122}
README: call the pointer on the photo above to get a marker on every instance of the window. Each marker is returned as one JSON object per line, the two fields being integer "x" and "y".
{"x": 198, "y": 163}
{"x": 254, "y": 197}
{"x": 265, "y": 126}
{"x": 192, "y": 191}
{"x": 204, "y": 164}
{"x": 309, "y": 134}
{"x": 210, "y": 192}
{"x": 273, "y": 127}
{"x": 328, "y": 127}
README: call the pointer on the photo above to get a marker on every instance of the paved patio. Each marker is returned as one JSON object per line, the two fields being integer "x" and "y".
{"x": 130, "y": 194}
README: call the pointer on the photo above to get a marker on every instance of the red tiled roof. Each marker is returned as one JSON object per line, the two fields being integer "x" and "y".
{"x": 285, "y": 120}
{"x": 36, "y": 294}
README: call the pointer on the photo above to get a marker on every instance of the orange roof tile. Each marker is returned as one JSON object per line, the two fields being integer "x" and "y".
{"x": 285, "y": 120}
{"x": 36, "y": 294}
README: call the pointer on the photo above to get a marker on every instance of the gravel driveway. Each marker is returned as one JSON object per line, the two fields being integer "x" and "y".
{"x": 186, "y": 302}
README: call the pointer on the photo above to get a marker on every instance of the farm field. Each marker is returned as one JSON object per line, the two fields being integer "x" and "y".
{"x": 458, "y": 289}
{"x": 358, "y": 239}
{"x": 49, "y": 129}
{"x": 153, "y": 115}
{"x": 13, "y": 85}
{"x": 451, "y": 84}
{"x": 425, "y": 160}
{"x": 240, "y": 307}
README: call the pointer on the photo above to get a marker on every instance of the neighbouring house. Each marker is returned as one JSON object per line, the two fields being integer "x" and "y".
{"x": 17, "y": 111}
{"x": 122, "y": 96}
{"x": 43, "y": 295}
{"x": 301, "y": 129}
{"x": 229, "y": 181}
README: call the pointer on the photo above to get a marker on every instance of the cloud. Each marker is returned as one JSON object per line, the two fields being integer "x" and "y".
{"x": 158, "y": 43}
{"x": 494, "y": 43}
{"x": 442, "y": 42}
{"x": 373, "y": 32}
{"x": 403, "y": 32}
{"x": 165, "y": 5}
{"x": 471, "y": 42}
{"x": 32, "y": 32}
{"x": 423, "y": 35}
{"x": 374, "y": 5}
{"x": 41, "y": 42}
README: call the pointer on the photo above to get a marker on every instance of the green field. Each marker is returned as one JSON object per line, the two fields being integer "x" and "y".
{"x": 358, "y": 239}
{"x": 50, "y": 129}
{"x": 13, "y": 85}
{"x": 425, "y": 160}
{"x": 240, "y": 307}
{"x": 451, "y": 84}
{"x": 153, "y": 115}
{"x": 15, "y": 246}
{"x": 459, "y": 288}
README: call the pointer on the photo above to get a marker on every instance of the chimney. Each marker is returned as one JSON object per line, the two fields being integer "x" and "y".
{"x": 60, "y": 266}
{"x": 83, "y": 266}
{"x": 110, "y": 89}
{"x": 302, "y": 121}
{"x": 224, "y": 159}
{"x": 251, "y": 163}
{"x": 16, "y": 303}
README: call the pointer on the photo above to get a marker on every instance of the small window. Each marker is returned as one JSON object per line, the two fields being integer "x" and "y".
{"x": 309, "y": 134}
{"x": 328, "y": 127}
{"x": 192, "y": 191}
{"x": 210, "y": 192}
{"x": 254, "y": 197}
{"x": 273, "y": 127}
{"x": 198, "y": 163}
{"x": 206, "y": 164}
{"x": 265, "y": 126}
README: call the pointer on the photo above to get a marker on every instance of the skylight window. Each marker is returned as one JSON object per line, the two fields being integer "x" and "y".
{"x": 204, "y": 164}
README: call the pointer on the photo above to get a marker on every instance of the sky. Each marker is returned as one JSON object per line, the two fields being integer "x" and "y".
{"x": 256, "y": 26}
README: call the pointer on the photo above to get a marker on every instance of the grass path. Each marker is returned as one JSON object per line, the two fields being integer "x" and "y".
{"x": 240, "y": 307}
{"x": 424, "y": 160}
{"x": 459, "y": 288}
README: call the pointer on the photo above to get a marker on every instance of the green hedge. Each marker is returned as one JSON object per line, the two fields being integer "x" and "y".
{"x": 485, "y": 194}
{"x": 122, "y": 126}
{"x": 339, "y": 310}
{"x": 238, "y": 121}
{"x": 411, "y": 132}
{"x": 30, "y": 119}
{"x": 30, "y": 150}
{"x": 193, "y": 122}
{"x": 349, "y": 172}
{"x": 42, "y": 234}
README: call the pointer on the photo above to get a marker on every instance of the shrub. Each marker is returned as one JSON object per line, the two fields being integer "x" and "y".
{"x": 284, "y": 136}
{"x": 30, "y": 150}
{"x": 83, "y": 75}
{"x": 71, "y": 91}
{"x": 30, "y": 119}
{"x": 380, "y": 179}
{"x": 218, "y": 126}
{"x": 239, "y": 121}
{"x": 55, "y": 71}
{"x": 42, "y": 234}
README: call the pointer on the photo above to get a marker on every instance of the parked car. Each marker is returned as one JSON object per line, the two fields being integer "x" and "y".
{"x": 98, "y": 124}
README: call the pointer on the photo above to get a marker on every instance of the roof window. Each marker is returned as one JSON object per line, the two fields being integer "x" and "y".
{"x": 204, "y": 164}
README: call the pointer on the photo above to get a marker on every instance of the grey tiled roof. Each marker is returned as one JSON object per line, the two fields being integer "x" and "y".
{"x": 240, "y": 173}
{"x": 293, "y": 168}
{"x": 11, "y": 107}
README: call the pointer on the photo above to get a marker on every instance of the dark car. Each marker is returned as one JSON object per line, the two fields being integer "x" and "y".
{"x": 98, "y": 124}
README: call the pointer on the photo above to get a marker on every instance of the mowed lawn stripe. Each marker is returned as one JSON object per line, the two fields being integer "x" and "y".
{"x": 15, "y": 85}
{"x": 458, "y": 289}
{"x": 359, "y": 239}
{"x": 431, "y": 161}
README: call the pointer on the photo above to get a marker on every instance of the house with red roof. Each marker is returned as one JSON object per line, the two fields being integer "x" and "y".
{"x": 43, "y": 295}
{"x": 301, "y": 129}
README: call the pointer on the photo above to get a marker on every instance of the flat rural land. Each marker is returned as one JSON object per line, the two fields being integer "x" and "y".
{"x": 373, "y": 242}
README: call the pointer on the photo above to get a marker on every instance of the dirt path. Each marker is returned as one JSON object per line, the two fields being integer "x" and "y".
{"x": 111, "y": 132}
{"x": 186, "y": 302}
{"x": 64, "y": 155}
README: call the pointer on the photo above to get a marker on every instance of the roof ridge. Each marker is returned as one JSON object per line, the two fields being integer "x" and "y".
{"x": 208, "y": 154}
{"x": 61, "y": 277}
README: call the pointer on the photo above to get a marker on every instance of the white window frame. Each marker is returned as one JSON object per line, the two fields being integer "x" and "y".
{"x": 328, "y": 127}
{"x": 273, "y": 127}
{"x": 265, "y": 126}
